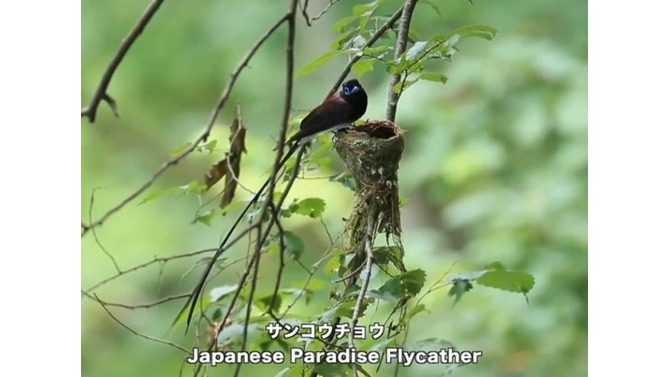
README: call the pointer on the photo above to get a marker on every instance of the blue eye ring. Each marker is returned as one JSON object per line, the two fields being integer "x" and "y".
{"x": 345, "y": 90}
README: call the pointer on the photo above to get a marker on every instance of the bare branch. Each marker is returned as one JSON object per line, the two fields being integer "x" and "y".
{"x": 201, "y": 139}
{"x": 151, "y": 338}
{"x": 308, "y": 21}
{"x": 138, "y": 306}
{"x": 101, "y": 93}
{"x": 401, "y": 46}
{"x": 166, "y": 259}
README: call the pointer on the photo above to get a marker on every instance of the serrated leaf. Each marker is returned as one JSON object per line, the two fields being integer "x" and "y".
{"x": 458, "y": 289}
{"x": 433, "y": 76}
{"x": 312, "y": 207}
{"x": 410, "y": 282}
{"x": 480, "y": 31}
{"x": 512, "y": 281}
{"x": 318, "y": 62}
{"x": 293, "y": 244}
{"x": 363, "y": 66}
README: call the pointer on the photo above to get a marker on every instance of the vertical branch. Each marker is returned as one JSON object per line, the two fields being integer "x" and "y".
{"x": 370, "y": 234}
{"x": 290, "y": 17}
{"x": 400, "y": 47}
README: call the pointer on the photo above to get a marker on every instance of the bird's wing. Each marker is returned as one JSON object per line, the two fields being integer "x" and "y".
{"x": 332, "y": 112}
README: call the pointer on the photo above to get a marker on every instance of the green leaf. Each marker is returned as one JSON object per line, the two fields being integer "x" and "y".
{"x": 312, "y": 207}
{"x": 318, "y": 62}
{"x": 178, "y": 150}
{"x": 346, "y": 179}
{"x": 156, "y": 195}
{"x": 415, "y": 49}
{"x": 339, "y": 25}
{"x": 332, "y": 370}
{"x": 282, "y": 373}
{"x": 294, "y": 245}
{"x": 231, "y": 333}
{"x": 343, "y": 40}
{"x": 264, "y": 302}
{"x": 413, "y": 280}
{"x": 373, "y": 51}
{"x": 512, "y": 281}
{"x": 458, "y": 289}
{"x": 219, "y": 292}
{"x": 433, "y": 76}
{"x": 479, "y": 31}
{"x": 495, "y": 266}
{"x": 363, "y": 66}
{"x": 209, "y": 147}
{"x": 398, "y": 87}
{"x": 416, "y": 310}
{"x": 410, "y": 282}
{"x": 206, "y": 217}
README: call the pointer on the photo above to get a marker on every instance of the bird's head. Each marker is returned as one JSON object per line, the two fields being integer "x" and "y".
{"x": 352, "y": 89}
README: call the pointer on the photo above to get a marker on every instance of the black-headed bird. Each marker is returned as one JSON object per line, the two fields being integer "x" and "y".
{"x": 335, "y": 113}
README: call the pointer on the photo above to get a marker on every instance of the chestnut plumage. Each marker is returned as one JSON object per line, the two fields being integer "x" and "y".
{"x": 338, "y": 111}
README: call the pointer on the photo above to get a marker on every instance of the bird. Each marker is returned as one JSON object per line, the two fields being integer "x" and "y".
{"x": 338, "y": 111}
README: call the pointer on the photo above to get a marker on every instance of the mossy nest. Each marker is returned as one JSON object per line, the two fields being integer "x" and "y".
{"x": 372, "y": 152}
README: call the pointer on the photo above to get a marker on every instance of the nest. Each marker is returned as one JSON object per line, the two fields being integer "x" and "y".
{"x": 372, "y": 152}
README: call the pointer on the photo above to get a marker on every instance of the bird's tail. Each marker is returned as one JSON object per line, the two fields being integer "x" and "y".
{"x": 197, "y": 291}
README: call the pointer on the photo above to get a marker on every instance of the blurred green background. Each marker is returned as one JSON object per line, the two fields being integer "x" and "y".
{"x": 495, "y": 169}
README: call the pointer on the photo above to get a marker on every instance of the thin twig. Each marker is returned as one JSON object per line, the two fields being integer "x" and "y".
{"x": 138, "y": 306}
{"x": 151, "y": 338}
{"x": 166, "y": 259}
{"x": 401, "y": 46}
{"x": 95, "y": 234}
{"x": 202, "y": 138}
{"x": 303, "y": 9}
{"x": 101, "y": 93}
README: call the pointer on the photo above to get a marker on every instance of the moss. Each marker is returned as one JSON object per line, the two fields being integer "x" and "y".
{"x": 372, "y": 152}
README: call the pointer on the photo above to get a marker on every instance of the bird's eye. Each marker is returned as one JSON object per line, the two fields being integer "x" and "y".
{"x": 345, "y": 90}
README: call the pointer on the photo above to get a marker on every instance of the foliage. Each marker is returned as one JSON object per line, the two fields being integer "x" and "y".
{"x": 482, "y": 187}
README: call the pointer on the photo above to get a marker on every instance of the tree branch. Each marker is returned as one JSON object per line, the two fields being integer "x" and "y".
{"x": 401, "y": 46}
{"x": 101, "y": 93}
{"x": 138, "y": 334}
{"x": 201, "y": 139}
